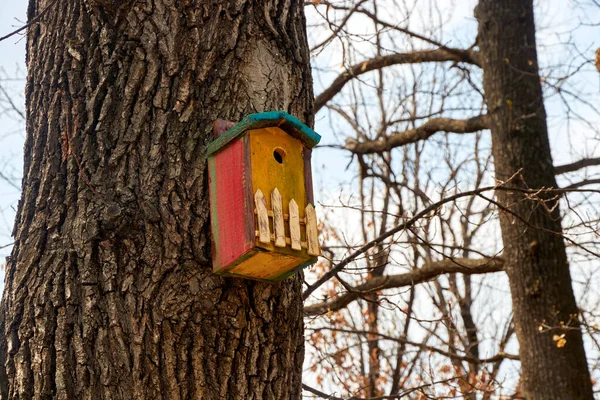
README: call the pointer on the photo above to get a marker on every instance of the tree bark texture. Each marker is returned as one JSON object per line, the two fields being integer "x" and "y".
{"x": 537, "y": 266}
{"x": 109, "y": 292}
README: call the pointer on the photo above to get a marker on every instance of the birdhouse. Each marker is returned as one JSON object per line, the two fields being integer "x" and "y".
{"x": 261, "y": 199}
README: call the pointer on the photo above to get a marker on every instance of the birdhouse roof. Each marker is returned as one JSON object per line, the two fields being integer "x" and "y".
{"x": 288, "y": 123}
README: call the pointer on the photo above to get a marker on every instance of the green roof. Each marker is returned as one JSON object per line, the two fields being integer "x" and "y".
{"x": 288, "y": 123}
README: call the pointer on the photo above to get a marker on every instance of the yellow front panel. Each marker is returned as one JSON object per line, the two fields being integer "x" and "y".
{"x": 284, "y": 171}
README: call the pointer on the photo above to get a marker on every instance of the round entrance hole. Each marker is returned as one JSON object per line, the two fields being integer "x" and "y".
{"x": 279, "y": 155}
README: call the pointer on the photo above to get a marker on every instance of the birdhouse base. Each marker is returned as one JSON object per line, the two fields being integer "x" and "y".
{"x": 265, "y": 266}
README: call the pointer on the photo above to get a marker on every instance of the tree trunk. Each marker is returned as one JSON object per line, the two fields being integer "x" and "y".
{"x": 538, "y": 271}
{"x": 109, "y": 292}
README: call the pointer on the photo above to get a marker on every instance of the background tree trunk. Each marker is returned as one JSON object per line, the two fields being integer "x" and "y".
{"x": 537, "y": 267}
{"x": 109, "y": 292}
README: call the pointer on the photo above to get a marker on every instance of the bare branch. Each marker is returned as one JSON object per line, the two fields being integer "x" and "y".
{"x": 500, "y": 356}
{"x": 472, "y": 55}
{"x": 423, "y": 132}
{"x": 577, "y": 165}
{"x": 425, "y": 56}
{"x": 425, "y": 273}
{"x": 9, "y": 181}
{"x": 389, "y": 397}
{"x": 584, "y": 182}
{"x": 33, "y": 21}
{"x": 11, "y": 103}
{"x": 338, "y": 29}
{"x": 320, "y": 394}
{"x": 533, "y": 194}
{"x": 380, "y": 239}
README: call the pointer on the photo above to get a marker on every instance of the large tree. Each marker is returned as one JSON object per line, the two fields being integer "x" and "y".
{"x": 534, "y": 248}
{"x": 109, "y": 292}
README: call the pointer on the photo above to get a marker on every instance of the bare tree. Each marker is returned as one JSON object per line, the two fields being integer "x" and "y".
{"x": 409, "y": 101}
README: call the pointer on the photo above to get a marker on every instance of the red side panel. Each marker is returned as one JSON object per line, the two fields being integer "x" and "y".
{"x": 228, "y": 212}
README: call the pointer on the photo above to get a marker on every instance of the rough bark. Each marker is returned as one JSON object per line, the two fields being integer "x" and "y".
{"x": 109, "y": 292}
{"x": 372, "y": 299}
{"x": 536, "y": 261}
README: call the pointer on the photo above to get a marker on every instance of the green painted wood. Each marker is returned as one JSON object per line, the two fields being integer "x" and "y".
{"x": 290, "y": 124}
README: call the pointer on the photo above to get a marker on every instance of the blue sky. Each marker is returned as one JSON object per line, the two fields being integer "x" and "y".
{"x": 12, "y": 128}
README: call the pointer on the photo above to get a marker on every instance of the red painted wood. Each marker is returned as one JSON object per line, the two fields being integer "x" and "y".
{"x": 248, "y": 195}
{"x": 230, "y": 237}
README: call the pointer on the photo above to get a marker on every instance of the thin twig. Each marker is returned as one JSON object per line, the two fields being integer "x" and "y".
{"x": 33, "y": 21}
{"x": 337, "y": 268}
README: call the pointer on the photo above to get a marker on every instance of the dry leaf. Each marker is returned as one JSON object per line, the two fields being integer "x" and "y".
{"x": 560, "y": 340}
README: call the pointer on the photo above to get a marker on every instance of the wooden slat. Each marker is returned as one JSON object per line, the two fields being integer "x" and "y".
{"x": 312, "y": 238}
{"x": 295, "y": 225}
{"x": 263, "y": 217}
{"x": 287, "y": 240}
{"x": 286, "y": 217}
{"x": 278, "y": 226}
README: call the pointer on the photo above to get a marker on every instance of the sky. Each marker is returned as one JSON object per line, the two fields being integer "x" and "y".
{"x": 12, "y": 127}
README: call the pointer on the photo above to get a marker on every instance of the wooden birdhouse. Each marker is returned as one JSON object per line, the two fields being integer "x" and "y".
{"x": 261, "y": 199}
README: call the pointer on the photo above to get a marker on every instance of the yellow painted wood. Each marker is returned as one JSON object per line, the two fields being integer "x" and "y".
{"x": 287, "y": 176}
{"x": 267, "y": 265}
{"x": 294, "y": 226}
{"x": 288, "y": 241}
{"x": 263, "y": 217}
{"x": 278, "y": 225}
{"x": 312, "y": 239}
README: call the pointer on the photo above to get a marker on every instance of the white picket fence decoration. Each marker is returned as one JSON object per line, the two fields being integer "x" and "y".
{"x": 278, "y": 237}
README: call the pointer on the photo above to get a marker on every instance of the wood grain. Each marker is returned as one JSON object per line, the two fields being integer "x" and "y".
{"x": 312, "y": 233}
{"x": 263, "y": 217}
{"x": 278, "y": 225}
{"x": 227, "y": 200}
{"x": 267, "y": 265}
{"x": 295, "y": 226}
